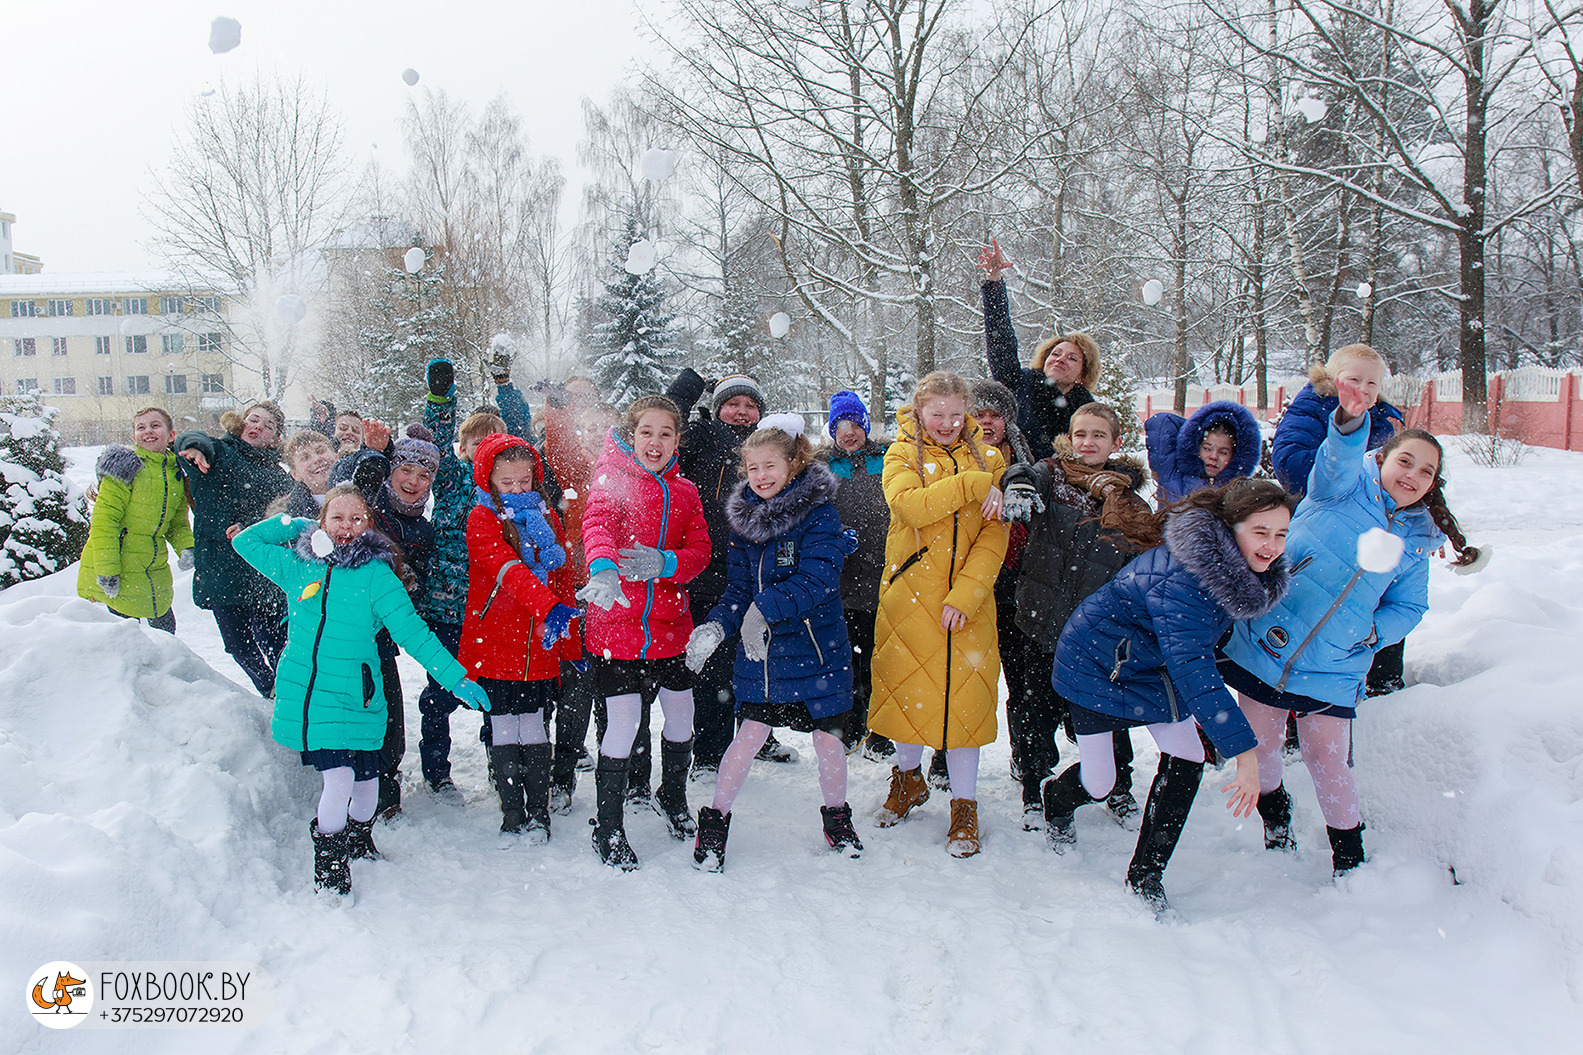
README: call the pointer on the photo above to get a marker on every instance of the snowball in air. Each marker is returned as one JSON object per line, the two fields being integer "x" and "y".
{"x": 1364, "y": 289}
{"x": 780, "y": 325}
{"x": 413, "y": 260}
{"x": 1379, "y": 551}
{"x": 322, "y": 546}
{"x": 1312, "y": 109}
{"x": 291, "y": 309}
{"x": 224, "y": 35}
{"x": 409, "y": 75}
{"x": 658, "y": 164}
{"x": 1153, "y": 290}
{"x": 641, "y": 257}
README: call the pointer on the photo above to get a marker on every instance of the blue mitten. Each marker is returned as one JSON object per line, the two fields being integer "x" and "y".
{"x": 471, "y": 694}
{"x": 558, "y": 624}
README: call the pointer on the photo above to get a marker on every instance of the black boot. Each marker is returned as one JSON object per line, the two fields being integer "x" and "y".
{"x": 1032, "y": 799}
{"x": 507, "y": 761}
{"x": 1122, "y": 806}
{"x": 330, "y": 871}
{"x": 389, "y": 794}
{"x": 939, "y": 775}
{"x": 610, "y": 836}
{"x": 1346, "y": 848}
{"x": 838, "y": 830}
{"x": 671, "y": 802}
{"x": 535, "y": 776}
{"x": 709, "y": 851}
{"x": 1276, "y": 809}
{"x": 1062, "y": 796}
{"x": 360, "y": 840}
{"x": 563, "y": 778}
{"x": 1170, "y": 799}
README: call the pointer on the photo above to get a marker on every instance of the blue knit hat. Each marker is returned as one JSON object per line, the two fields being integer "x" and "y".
{"x": 847, "y": 406}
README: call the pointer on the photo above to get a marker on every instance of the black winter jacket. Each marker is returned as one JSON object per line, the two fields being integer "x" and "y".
{"x": 710, "y": 456}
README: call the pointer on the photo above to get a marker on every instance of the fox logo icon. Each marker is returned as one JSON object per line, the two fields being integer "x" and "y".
{"x": 60, "y": 996}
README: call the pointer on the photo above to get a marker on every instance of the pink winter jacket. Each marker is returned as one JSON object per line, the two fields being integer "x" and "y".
{"x": 628, "y": 505}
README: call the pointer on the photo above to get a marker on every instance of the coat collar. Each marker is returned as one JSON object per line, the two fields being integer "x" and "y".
{"x": 758, "y": 520}
{"x": 364, "y": 549}
{"x": 1207, "y": 548}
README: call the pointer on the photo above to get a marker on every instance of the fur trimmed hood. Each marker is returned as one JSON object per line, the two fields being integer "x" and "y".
{"x": 758, "y": 520}
{"x": 118, "y": 462}
{"x": 1207, "y": 548}
{"x": 1245, "y": 453}
{"x": 366, "y": 548}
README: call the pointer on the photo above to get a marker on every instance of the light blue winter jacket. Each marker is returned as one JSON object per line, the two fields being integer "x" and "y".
{"x": 1320, "y": 640}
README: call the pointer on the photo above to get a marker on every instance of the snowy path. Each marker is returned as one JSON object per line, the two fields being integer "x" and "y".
{"x": 144, "y": 815}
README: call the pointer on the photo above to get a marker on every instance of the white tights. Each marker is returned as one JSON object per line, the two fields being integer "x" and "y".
{"x": 738, "y": 759}
{"x": 518, "y": 729}
{"x": 343, "y": 796}
{"x": 960, "y": 762}
{"x": 1096, "y": 753}
{"x": 622, "y": 714}
{"x": 1324, "y": 740}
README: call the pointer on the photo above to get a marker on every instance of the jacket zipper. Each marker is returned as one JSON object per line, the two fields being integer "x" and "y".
{"x": 313, "y": 660}
{"x": 159, "y": 525}
{"x": 950, "y": 582}
{"x": 817, "y": 650}
{"x": 1286, "y": 671}
{"x": 766, "y": 627}
{"x": 1170, "y": 695}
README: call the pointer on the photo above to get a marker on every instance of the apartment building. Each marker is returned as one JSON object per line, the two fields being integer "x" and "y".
{"x": 100, "y": 346}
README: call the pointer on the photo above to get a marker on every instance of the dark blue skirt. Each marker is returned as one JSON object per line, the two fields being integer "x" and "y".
{"x": 1239, "y": 678}
{"x": 365, "y": 765}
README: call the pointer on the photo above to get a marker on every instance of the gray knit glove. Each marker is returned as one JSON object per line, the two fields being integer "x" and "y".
{"x": 184, "y": 560}
{"x": 642, "y": 562}
{"x": 604, "y": 589}
{"x": 755, "y": 635}
{"x": 110, "y": 584}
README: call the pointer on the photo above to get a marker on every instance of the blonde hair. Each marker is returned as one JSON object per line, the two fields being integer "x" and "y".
{"x": 231, "y": 421}
{"x": 479, "y": 425}
{"x": 938, "y": 385}
{"x": 797, "y": 451}
{"x": 1099, "y": 410}
{"x": 161, "y": 411}
{"x": 1322, "y": 377}
{"x": 1085, "y": 344}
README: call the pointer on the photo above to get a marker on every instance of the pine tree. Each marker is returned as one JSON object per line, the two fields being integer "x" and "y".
{"x": 1115, "y": 389}
{"x": 42, "y": 527}
{"x": 416, "y": 325}
{"x": 634, "y": 348}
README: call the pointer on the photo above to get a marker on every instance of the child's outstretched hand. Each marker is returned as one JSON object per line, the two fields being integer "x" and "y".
{"x": 1244, "y": 787}
{"x": 705, "y": 638}
{"x": 604, "y": 589}
{"x": 442, "y": 380}
{"x": 755, "y": 635}
{"x": 1354, "y": 401}
{"x": 472, "y": 694}
{"x": 558, "y": 624}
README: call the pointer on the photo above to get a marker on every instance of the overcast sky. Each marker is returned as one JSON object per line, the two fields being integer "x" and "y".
{"x": 98, "y": 88}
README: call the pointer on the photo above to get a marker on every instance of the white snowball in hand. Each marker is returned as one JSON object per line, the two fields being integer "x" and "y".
{"x": 1153, "y": 290}
{"x": 780, "y": 325}
{"x": 322, "y": 546}
{"x": 412, "y": 260}
{"x": 1379, "y": 551}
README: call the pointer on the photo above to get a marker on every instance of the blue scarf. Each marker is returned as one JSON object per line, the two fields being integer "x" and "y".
{"x": 539, "y": 551}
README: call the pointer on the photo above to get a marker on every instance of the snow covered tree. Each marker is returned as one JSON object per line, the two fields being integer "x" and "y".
{"x": 634, "y": 347}
{"x": 415, "y": 324}
{"x": 42, "y": 527}
{"x": 1114, "y": 388}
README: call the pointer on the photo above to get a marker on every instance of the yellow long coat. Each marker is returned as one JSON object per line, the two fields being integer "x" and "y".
{"x": 931, "y": 686}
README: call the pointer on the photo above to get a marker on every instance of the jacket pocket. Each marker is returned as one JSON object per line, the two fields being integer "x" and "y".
{"x": 368, "y": 685}
{"x": 1123, "y": 653}
{"x": 817, "y": 650}
{"x": 909, "y": 562}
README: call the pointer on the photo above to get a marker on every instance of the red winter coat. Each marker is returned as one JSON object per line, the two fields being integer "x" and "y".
{"x": 627, "y": 505}
{"x": 503, "y": 626}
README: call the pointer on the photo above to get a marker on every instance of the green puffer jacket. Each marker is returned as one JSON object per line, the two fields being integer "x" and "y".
{"x": 328, "y": 689}
{"x": 141, "y": 506}
{"x": 242, "y": 480}
{"x": 445, "y": 600}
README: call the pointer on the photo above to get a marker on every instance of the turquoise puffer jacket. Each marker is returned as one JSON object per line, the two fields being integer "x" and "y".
{"x": 328, "y": 689}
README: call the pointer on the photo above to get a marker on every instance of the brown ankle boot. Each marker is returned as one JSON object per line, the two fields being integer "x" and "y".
{"x": 907, "y": 790}
{"x": 963, "y": 838}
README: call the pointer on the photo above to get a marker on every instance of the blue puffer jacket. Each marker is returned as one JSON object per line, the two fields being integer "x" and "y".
{"x": 1320, "y": 640}
{"x": 1142, "y": 646}
{"x": 1173, "y": 448}
{"x": 785, "y": 555}
{"x": 1302, "y": 429}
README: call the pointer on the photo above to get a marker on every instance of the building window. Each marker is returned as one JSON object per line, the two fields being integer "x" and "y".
{"x": 137, "y": 384}
{"x": 100, "y": 306}
{"x": 65, "y": 386}
{"x": 175, "y": 384}
{"x": 103, "y": 345}
{"x": 134, "y": 305}
{"x": 106, "y": 385}
{"x": 136, "y": 345}
{"x": 24, "y": 385}
{"x": 25, "y": 347}
{"x": 211, "y": 384}
{"x": 206, "y": 304}
{"x": 209, "y": 343}
{"x": 59, "y": 307}
{"x": 22, "y": 309}
{"x": 57, "y": 346}
{"x": 172, "y": 343}
{"x": 170, "y": 305}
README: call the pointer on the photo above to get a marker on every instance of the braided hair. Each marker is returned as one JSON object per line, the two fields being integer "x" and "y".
{"x": 940, "y": 383}
{"x": 1435, "y": 499}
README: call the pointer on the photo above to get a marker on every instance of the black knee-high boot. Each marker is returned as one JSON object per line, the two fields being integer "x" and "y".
{"x": 330, "y": 869}
{"x": 507, "y": 759}
{"x": 675, "y": 758}
{"x": 535, "y": 777}
{"x": 1275, "y": 808}
{"x": 610, "y": 836}
{"x": 1170, "y": 799}
{"x": 1346, "y": 848}
{"x": 1062, "y": 796}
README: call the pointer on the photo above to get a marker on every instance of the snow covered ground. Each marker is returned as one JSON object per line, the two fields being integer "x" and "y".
{"x": 145, "y": 815}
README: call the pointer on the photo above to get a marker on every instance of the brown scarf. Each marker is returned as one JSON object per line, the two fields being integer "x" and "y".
{"x": 1114, "y": 486}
